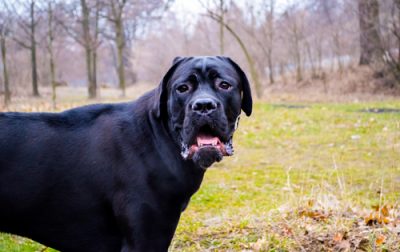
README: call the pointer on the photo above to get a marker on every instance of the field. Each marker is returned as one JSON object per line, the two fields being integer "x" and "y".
{"x": 304, "y": 177}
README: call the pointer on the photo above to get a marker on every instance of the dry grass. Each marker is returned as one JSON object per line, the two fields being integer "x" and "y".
{"x": 353, "y": 84}
{"x": 68, "y": 97}
{"x": 306, "y": 178}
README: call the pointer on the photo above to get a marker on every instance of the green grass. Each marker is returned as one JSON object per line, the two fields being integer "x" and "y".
{"x": 334, "y": 154}
{"x": 285, "y": 156}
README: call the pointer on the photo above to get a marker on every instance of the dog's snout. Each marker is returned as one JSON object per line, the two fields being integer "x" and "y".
{"x": 204, "y": 106}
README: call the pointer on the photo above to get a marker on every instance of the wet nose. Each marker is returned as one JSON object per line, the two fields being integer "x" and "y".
{"x": 204, "y": 106}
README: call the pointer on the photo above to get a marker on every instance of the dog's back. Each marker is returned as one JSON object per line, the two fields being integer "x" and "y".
{"x": 49, "y": 182}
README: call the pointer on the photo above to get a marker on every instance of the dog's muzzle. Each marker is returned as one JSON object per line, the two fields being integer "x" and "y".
{"x": 206, "y": 138}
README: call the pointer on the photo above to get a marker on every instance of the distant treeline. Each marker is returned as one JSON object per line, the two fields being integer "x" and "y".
{"x": 119, "y": 42}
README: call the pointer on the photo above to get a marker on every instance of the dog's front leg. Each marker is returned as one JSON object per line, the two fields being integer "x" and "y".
{"x": 150, "y": 229}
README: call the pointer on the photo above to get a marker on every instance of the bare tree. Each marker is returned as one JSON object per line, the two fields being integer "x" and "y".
{"x": 390, "y": 38}
{"x": 261, "y": 32}
{"x": 51, "y": 28}
{"x": 294, "y": 25}
{"x": 269, "y": 28}
{"x": 327, "y": 22}
{"x": 370, "y": 41}
{"x": 396, "y": 27}
{"x": 85, "y": 30}
{"x": 222, "y": 9}
{"x": 253, "y": 72}
{"x": 90, "y": 42}
{"x": 28, "y": 24}
{"x": 115, "y": 17}
{"x": 124, "y": 16}
{"x": 268, "y": 36}
{"x": 4, "y": 33}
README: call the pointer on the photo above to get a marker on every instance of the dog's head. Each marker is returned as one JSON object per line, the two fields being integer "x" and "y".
{"x": 200, "y": 100}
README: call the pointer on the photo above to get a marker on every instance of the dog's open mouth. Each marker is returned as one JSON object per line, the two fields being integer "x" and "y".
{"x": 206, "y": 140}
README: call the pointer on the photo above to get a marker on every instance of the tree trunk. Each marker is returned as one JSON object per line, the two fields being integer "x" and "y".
{"x": 88, "y": 45}
{"x": 117, "y": 20}
{"x": 296, "y": 34}
{"x": 311, "y": 59}
{"x": 370, "y": 41}
{"x": 89, "y": 74}
{"x": 297, "y": 56}
{"x": 88, "y": 57}
{"x": 120, "y": 41}
{"x": 271, "y": 34}
{"x": 94, "y": 47}
{"x": 35, "y": 89}
{"x": 282, "y": 72}
{"x": 7, "y": 93}
{"x": 88, "y": 51}
{"x": 94, "y": 73}
{"x": 51, "y": 57}
{"x": 270, "y": 66}
{"x": 250, "y": 61}
{"x": 318, "y": 47}
{"x": 221, "y": 27}
{"x": 53, "y": 79}
{"x": 338, "y": 51}
{"x": 398, "y": 38}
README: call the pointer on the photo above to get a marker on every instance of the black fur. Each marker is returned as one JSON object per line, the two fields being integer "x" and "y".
{"x": 109, "y": 177}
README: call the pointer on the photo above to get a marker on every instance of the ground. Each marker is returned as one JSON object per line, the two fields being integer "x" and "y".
{"x": 306, "y": 176}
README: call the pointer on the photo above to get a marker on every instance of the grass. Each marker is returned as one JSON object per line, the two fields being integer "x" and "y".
{"x": 303, "y": 178}
{"x": 331, "y": 154}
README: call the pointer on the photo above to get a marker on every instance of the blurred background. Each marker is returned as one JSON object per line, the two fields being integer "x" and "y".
{"x": 60, "y": 50}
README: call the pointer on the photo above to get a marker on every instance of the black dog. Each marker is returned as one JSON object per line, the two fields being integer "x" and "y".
{"x": 116, "y": 177}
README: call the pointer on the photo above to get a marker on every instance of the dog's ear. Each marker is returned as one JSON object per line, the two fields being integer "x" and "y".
{"x": 161, "y": 96}
{"x": 247, "y": 100}
{"x": 177, "y": 59}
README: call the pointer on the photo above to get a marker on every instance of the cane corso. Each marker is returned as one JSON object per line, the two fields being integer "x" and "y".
{"x": 116, "y": 177}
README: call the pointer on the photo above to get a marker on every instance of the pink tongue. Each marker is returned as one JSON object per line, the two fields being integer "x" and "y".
{"x": 207, "y": 140}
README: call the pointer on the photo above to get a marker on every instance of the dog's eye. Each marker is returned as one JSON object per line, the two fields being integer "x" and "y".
{"x": 183, "y": 88}
{"x": 224, "y": 85}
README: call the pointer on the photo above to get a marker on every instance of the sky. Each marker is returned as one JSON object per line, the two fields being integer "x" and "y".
{"x": 187, "y": 11}
{"x": 194, "y": 6}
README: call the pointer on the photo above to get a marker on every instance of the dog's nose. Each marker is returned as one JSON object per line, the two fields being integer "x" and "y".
{"x": 204, "y": 106}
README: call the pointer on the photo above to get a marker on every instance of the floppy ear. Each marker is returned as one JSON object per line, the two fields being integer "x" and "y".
{"x": 176, "y": 59}
{"x": 247, "y": 100}
{"x": 161, "y": 93}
